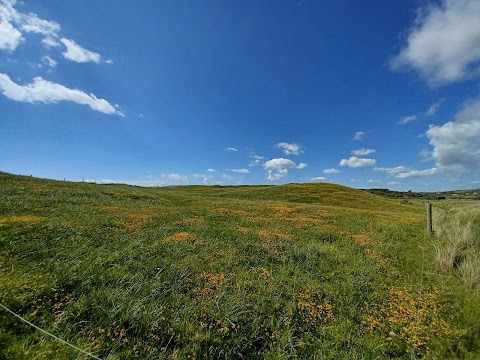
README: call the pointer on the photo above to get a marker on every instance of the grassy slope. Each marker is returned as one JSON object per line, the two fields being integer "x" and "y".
{"x": 234, "y": 272}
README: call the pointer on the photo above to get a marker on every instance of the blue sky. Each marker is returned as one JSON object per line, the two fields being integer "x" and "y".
{"x": 366, "y": 94}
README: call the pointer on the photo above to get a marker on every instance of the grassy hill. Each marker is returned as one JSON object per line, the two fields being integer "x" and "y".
{"x": 298, "y": 270}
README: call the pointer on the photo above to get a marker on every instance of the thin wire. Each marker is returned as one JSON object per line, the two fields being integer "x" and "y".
{"x": 49, "y": 334}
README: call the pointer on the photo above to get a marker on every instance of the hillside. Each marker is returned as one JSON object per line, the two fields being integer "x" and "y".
{"x": 235, "y": 272}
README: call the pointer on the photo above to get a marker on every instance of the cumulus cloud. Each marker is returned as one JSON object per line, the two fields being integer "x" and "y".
{"x": 231, "y": 149}
{"x": 240, "y": 171}
{"x": 432, "y": 110}
{"x": 331, "y": 171}
{"x": 256, "y": 160}
{"x": 289, "y": 149}
{"x": 301, "y": 166}
{"x": 363, "y": 152}
{"x": 443, "y": 44}
{"x": 355, "y": 162}
{"x": 10, "y": 37}
{"x": 211, "y": 170}
{"x": 407, "y": 119}
{"x": 43, "y": 91}
{"x": 278, "y": 168}
{"x": 279, "y": 163}
{"x": 425, "y": 155}
{"x": 359, "y": 135}
{"x": 456, "y": 144}
{"x": 318, "y": 178}
{"x": 78, "y": 54}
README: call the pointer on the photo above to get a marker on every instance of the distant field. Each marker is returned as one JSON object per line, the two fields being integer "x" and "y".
{"x": 294, "y": 271}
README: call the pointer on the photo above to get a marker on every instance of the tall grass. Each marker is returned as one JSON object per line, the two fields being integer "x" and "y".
{"x": 456, "y": 227}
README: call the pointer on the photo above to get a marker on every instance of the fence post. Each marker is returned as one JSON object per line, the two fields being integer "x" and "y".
{"x": 429, "y": 219}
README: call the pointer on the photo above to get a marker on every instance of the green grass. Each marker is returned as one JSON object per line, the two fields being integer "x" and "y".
{"x": 457, "y": 229}
{"x": 275, "y": 272}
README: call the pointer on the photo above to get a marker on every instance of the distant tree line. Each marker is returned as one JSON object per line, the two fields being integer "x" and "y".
{"x": 457, "y": 194}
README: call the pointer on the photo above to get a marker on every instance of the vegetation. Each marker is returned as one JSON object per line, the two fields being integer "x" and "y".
{"x": 473, "y": 194}
{"x": 300, "y": 270}
{"x": 457, "y": 227}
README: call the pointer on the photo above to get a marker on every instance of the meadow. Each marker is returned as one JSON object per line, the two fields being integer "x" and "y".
{"x": 247, "y": 272}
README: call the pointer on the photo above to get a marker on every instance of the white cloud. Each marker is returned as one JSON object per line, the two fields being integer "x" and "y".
{"x": 278, "y": 168}
{"x": 47, "y": 60}
{"x": 443, "y": 45}
{"x": 29, "y": 23}
{"x": 10, "y": 37}
{"x": 359, "y": 135}
{"x": 211, "y": 170}
{"x": 434, "y": 108}
{"x": 78, "y": 54}
{"x": 257, "y": 160}
{"x": 276, "y": 175}
{"x": 205, "y": 178}
{"x": 355, "y": 162}
{"x": 7, "y": 12}
{"x": 175, "y": 177}
{"x": 393, "y": 183}
{"x": 279, "y": 163}
{"x": 403, "y": 172}
{"x": 14, "y": 24}
{"x": 407, "y": 119}
{"x": 373, "y": 181}
{"x": 363, "y": 152}
{"x": 32, "y": 23}
{"x": 231, "y": 149}
{"x": 392, "y": 171}
{"x": 289, "y": 149}
{"x": 318, "y": 178}
{"x": 417, "y": 173}
{"x": 426, "y": 155}
{"x": 331, "y": 171}
{"x": 456, "y": 144}
{"x": 227, "y": 176}
{"x": 240, "y": 171}
{"x": 43, "y": 91}
{"x": 301, "y": 166}
{"x": 109, "y": 61}
{"x": 49, "y": 42}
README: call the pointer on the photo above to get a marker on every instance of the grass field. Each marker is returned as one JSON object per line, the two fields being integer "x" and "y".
{"x": 294, "y": 271}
